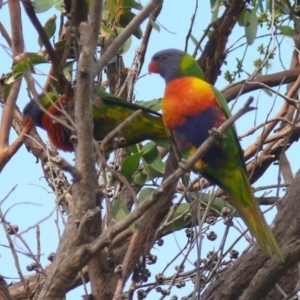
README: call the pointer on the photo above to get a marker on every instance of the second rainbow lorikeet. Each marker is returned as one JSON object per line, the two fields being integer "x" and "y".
{"x": 108, "y": 111}
{"x": 191, "y": 107}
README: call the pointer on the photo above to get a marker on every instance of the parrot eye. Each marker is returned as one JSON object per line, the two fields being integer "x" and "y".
{"x": 164, "y": 57}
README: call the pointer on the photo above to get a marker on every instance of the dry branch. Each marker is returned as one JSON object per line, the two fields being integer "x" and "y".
{"x": 213, "y": 55}
{"x": 253, "y": 275}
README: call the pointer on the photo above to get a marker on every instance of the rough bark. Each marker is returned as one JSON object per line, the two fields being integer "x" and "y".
{"x": 253, "y": 275}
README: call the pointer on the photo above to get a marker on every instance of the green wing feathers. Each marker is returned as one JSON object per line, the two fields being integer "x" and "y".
{"x": 242, "y": 198}
{"x": 113, "y": 111}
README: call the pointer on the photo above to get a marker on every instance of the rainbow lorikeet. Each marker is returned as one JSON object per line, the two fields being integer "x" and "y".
{"x": 191, "y": 107}
{"x": 108, "y": 111}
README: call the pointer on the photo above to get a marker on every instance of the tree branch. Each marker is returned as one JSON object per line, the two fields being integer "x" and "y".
{"x": 126, "y": 33}
{"x": 17, "y": 46}
{"x": 57, "y": 68}
{"x": 253, "y": 273}
{"x": 231, "y": 91}
{"x": 213, "y": 55}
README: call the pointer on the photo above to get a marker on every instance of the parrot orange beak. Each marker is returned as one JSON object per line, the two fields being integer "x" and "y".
{"x": 153, "y": 67}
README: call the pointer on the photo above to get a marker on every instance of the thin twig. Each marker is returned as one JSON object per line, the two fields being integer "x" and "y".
{"x": 191, "y": 27}
{"x": 126, "y": 33}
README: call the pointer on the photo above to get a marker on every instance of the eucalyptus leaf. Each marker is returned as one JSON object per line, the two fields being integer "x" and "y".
{"x": 287, "y": 30}
{"x": 130, "y": 165}
{"x": 120, "y": 211}
{"x": 140, "y": 178}
{"x": 179, "y": 219}
{"x": 43, "y": 5}
{"x": 60, "y": 6}
{"x": 268, "y": 92}
{"x": 132, "y": 4}
{"x": 126, "y": 46}
{"x": 194, "y": 40}
{"x": 67, "y": 70}
{"x": 19, "y": 69}
{"x": 154, "y": 25}
{"x": 127, "y": 43}
{"x": 251, "y": 29}
{"x": 217, "y": 204}
{"x": 125, "y": 19}
{"x": 50, "y": 28}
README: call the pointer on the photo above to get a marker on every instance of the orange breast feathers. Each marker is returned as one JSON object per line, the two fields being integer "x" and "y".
{"x": 186, "y": 96}
{"x": 58, "y": 134}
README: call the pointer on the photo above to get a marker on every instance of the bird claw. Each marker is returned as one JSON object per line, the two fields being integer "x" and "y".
{"x": 118, "y": 142}
{"x": 219, "y": 138}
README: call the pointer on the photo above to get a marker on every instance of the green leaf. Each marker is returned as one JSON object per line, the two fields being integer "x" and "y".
{"x": 217, "y": 204}
{"x": 241, "y": 20}
{"x": 26, "y": 61}
{"x": 43, "y": 5}
{"x": 261, "y": 7}
{"x": 147, "y": 148}
{"x": 154, "y": 25}
{"x": 133, "y": 149}
{"x": 127, "y": 43}
{"x": 106, "y": 29}
{"x": 144, "y": 193}
{"x": 34, "y": 58}
{"x": 120, "y": 211}
{"x": 215, "y": 11}
{"x": 179, "y": 218}
{"x": 60, "y": 6}
{"x": 212, "y": 3}
{"x": 68, "y": 69}
{"x": 153, "y": 173}
{"x": 156, "y": 162}
{"x": 282, "y": 5}
{"x": 132, "y": 4}
{"x": 19, "y": 69}
{"x": 22, "y": 63}
{"x": 151, "y": 156}
{"x": 6, "y": 89}
{"x": 154, "y": 104}
{"x": 109, "y": 10}
{"x": 194, "y": 40}
{"x": 125, "y": 19}
{"x": 60, "y": 45}
{"x": 287, "y": 30}
{"x": 49, "y": 27}
{"x": 162, "y": 144}
{"x": 140, "y": 178}
{"x": 130, "y": 165}
{"x": 126, "y": 46}
{"x": 268, "y": 92}
{"x": 251, "y": 29}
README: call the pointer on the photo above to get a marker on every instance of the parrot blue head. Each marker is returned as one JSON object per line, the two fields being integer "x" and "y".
{"x": 174, "y": 63}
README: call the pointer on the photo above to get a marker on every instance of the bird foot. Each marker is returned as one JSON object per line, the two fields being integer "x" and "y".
{"x": 118, "y": 142}
{"x": 219, "y": 138}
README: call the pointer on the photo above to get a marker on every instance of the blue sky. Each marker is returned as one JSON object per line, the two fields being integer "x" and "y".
{"x": 34, "y": 200}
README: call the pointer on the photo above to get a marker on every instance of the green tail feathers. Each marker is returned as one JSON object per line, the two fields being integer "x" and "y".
{"x": 248, "y": 208}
